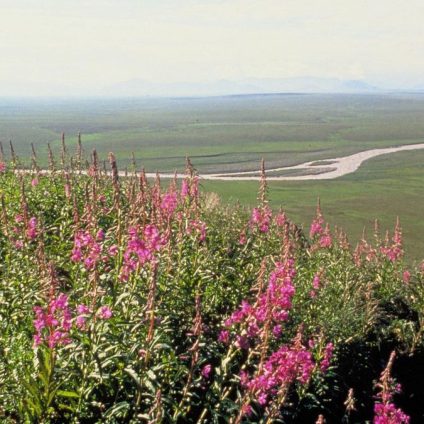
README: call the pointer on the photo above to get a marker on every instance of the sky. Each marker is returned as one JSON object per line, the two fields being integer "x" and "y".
{"x": 80, "y": 46}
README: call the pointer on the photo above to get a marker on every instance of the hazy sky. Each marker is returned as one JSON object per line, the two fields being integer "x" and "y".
{"x": 77, "y": 45}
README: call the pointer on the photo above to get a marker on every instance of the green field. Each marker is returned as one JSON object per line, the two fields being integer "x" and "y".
{"x": 232, "y": 134}
{"x": 384, "y": 188}
{"x": 219, "y": 134}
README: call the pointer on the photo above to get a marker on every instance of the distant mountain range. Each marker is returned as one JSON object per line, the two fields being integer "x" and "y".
{"x": 140, "y": 87}
{"x": 223, "y": 87}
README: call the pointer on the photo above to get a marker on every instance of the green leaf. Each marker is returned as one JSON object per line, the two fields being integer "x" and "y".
{"x": 67, "y": 394}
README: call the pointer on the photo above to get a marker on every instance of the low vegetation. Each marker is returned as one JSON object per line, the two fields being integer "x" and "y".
{"x": 124, "y": 301}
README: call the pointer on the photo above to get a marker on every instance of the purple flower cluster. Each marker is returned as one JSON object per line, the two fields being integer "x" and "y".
{"x": 317, "y": 225}
{"x": 280, "y": 370}
{"x": 280, "y": 219}
{"x": 104, "y": 312}
{"x": 83, "y": 312}
{"x": 52, "y": 325}
{"x": 320, "y": 232}
{"x": 385, "y": 411}
{"x": 31, "y": 231}
{"x": 190, "y": 187}
{"x": 24, "y": 231}
{"x": 272, "y": 305}
{"x": 393, "y": 251}
{"x": 328, "y": 354}
{"x": 325, "y": 239}
{"x": 141, "y": 248}
{"x": 261, "y": 219}
{"x": 87, "y": 249}
{"x": 206, "y": 371}
{"x": 169, "y": 203}
{"x": 185, "y": 189}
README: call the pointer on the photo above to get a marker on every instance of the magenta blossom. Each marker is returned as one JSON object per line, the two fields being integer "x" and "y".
{"x": 87, "y": 249}
{"x": 142, "y": 247}
{"x": 273, "y": 304}
{"x": 32, "y": 228}
{"x": 284, "y": 367}
{"x": 406, "y": 276}
{"x": 104, "y": 312}
{"x": 261, "y": 219}
{"x": 206, "y": 371}
{"x": 52, "y": 324}
{"x": 328, "y": 354}
{"x": 169, "y": 203}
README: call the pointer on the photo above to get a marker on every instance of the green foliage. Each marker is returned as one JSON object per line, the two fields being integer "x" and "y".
{"x": 143, "y": 346}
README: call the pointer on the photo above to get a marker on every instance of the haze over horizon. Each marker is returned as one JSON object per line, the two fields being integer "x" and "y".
{"x": 103, "y": 47}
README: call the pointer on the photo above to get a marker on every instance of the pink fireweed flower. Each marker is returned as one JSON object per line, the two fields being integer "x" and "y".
{"x": 113, "y": 250}
{"x": 325, "y": 238}
{"x": 142, "y": 247}
{"x": 406, "y": 276}
{"x": 261, "y": 219}
{"x": 273, "y": 304}
{"x": 19, "y": 244}
{"x": 32, "y": 228}
{"x": 283, "y": 367}
{"x": 246, "y": 410}
{"x": 242, "y": 342}
{"x": 100, "y": 236}
{"x": 281, "y": 219}
{"x": 317, "y": 223}
{"x": 52, "y": 324}
{"x": 2, "y": 167}
{"x": 277, "y": 331}
{"x": 34, "y": 182}
{"x": 224, "y": 336}
{"x": 185, "y": 189}
{"x": 243, "y": 238}
{"x": 104, "y": 312}
{"x": 87, "y": 248}
{"x": 169, "y": 203}
{"x": 19, "y": 218}
{"x": 206, "y": 371}
{"x": 81, "y": 318}
{"x": 385, "y": 411}
{"x": 194, "y": 187}
{"x": 83, "y": 309}
{"x": 316, "y": 282}
{"x": 80, "y": 321}
{"x": 394, "y": 251}
{"x": 328, "y": 354}
{"x": 262, "y": 399}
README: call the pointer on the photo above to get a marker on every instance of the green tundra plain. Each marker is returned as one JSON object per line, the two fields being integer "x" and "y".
{"x": 233, "y": 133}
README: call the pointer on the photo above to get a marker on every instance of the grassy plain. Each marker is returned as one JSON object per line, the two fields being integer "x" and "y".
{"x": 219, "y": 134}
{"x": 384, "y": 187}
{"x": 233, "y": 133}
